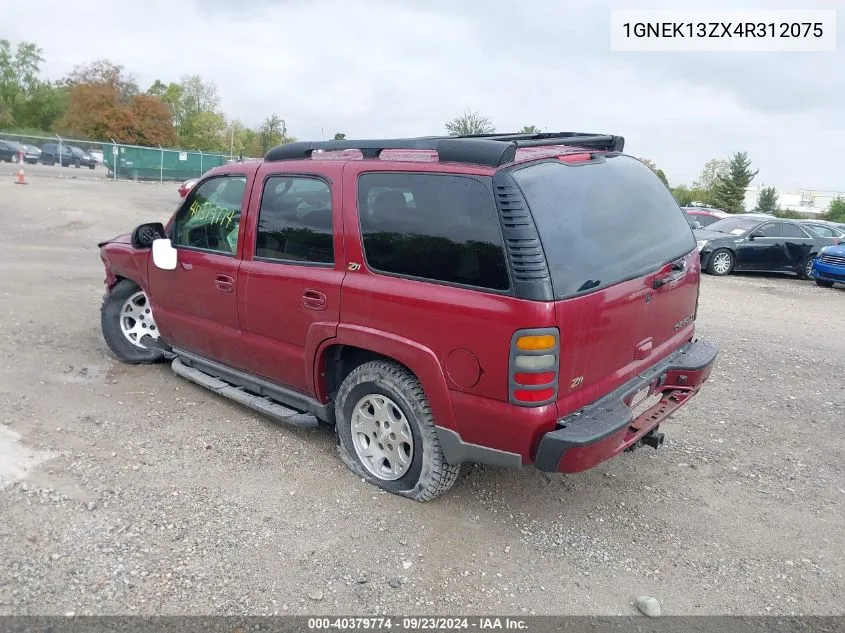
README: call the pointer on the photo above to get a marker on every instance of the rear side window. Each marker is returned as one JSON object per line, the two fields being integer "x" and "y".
{"x": 792, "y": 230}
{"x": 436, "y": 227}
{"x": 602, "y": 223}
{"x": 295, "y": 221}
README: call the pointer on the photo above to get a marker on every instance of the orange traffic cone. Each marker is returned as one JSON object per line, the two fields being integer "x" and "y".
{"x": 21, "y": 179}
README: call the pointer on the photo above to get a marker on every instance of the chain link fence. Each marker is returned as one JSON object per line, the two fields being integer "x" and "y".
{"x": 123, "y": 162}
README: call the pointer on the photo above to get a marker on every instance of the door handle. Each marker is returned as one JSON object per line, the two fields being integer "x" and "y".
{"x": 678, "y": 270}
{"x": 224, "y": 283}
{"x": 313, "y": 300}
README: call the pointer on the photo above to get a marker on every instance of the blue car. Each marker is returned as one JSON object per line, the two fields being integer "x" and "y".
{"x": 829, "y": 266}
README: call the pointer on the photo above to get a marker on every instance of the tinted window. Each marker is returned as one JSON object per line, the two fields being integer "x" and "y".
{"x": 602, "y": 223}
{"x": 822, "y": 230}
{"x": 770, "y": 229}
{"x": 211, "y": 215}
{"x": 734, "y": 226}
{"x": 295, "y": 220}
{"x": 432, "y": 226}
{"x": 788, "y": 229}
{"x": 704, "y": 220}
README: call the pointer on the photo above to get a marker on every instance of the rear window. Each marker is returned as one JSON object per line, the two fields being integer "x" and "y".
{"x": 603, "y": 223}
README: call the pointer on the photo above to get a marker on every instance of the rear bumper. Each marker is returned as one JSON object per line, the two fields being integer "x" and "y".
{"x": 607, "y": 427}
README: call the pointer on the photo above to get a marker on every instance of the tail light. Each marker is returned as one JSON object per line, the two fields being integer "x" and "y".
{"x": 534, "y": 367}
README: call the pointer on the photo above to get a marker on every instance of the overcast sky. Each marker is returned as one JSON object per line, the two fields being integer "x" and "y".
{"x": 403, "y": 67}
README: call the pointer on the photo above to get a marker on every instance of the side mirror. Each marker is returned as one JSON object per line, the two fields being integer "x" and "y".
{"x": 695, "y": 224}
{"x": 144, "y": 235}
{"x": 755, "y": 235}
{"x": 164, "y": 255}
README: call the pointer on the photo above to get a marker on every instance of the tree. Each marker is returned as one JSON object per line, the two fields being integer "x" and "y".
{"x": 44, "y": 107}
{"x": 18, "y": 79}
{"x": 767, "y": 201}
{"x": 728, "y": 192}
{"x": 469, "y": 123}
{"x": 104, "y": 73}
{"x": 271, "y": 132}
{"x": 712, "y": 170}
{"x": 339, "y": 136}
{"x": 151, "y": 121}
{"x": 94, "y": 111}
{"x": 529, "y": 129}
{"x": 836, "y": 210}
{"x": 657, "y": 171}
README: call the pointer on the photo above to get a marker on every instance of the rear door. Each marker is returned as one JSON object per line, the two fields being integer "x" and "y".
{"x": 797, "y": 245}
{"x": 610, "y": 229}
{"x": 290, "y": 279}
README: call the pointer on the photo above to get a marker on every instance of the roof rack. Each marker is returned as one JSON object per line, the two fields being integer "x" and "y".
{"x": 492, "y": 150}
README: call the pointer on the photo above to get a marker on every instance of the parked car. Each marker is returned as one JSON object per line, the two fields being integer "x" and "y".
{"x": 97, "y": 155}
{"x": 186, "y": 187}
{"x": 9, "y": 151}
{"x": 31, "y": 153}
{"x": 81, "y": 158}
{"x": 829, "y": 266}
{"x": 825, "y": 229}
{"x": 704, "y": 217}
{"x": 50, "y": 154}
{"x": 435, "y": 309}
{"x": 747, "y": 242}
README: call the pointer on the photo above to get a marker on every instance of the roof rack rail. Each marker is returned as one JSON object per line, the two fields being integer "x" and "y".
{"x": 492, "y": 150}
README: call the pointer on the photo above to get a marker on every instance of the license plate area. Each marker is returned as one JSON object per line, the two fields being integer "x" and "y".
{"x": 644, "y": 399}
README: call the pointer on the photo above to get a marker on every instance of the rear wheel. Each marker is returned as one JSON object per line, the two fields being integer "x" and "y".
{"x": 128, "y": 325}
{"x": 721, "y": 262}
{"x": 386, "y": 435}
{"x": 807, "y": 268}
{"x": 824, "y": 284}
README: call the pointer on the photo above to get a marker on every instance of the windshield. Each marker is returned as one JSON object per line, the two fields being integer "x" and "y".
{"x": 603, "y": 223}
{"x": 734, "y": 226}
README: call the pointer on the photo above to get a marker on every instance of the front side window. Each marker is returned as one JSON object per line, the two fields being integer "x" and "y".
{"x": 210, "y": 218}
{"x": 436, "y": 227}
{"x": 295, "y": 221}
{"x": 771, "y": 229}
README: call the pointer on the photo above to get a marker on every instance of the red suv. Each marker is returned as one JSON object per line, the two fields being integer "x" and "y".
{"x": 437, "y": 300}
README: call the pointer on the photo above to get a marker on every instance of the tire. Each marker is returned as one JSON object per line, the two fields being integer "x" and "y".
{"x": 426, "y": 474}
{"x": 806, "y": 265}
{"x": 76, "y": 163}
{"x": 824, "y": 284}
{"x": 91, "y": 166}
{"x": 111, "y": 318}
{"x": 718, "y": 268}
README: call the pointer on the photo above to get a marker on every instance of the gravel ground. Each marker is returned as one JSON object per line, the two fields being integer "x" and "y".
{"x": 129, "y": 490}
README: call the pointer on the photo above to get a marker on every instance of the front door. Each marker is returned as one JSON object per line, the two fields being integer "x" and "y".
{"x": 195, "y": 305}
{"x": 292, "y": 270}
{"x": 764, "y": 251}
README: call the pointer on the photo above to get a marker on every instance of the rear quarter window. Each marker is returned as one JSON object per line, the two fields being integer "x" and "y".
{"x": 602, "y": 223}
{"x": 433, "y": 227}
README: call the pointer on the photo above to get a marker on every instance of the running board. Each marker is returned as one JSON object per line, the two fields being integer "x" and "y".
{"x": 260, "y": 404}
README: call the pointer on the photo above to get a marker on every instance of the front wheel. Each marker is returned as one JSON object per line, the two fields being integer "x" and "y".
{"x": 128, "y": 326}
{"x": 721, "y": 262}
{"x": 824, "y": 283}
{"x": 386, "y": 433}
{"x": 77, "y": 163}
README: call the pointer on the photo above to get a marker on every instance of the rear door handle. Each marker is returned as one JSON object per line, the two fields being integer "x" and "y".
{"x": 313, "y": 300}
{"x": 224, "y": 283}
{"x": 678, "y": 269}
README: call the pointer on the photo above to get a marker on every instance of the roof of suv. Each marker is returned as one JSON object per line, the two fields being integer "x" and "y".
{"x": 491, "y": 150}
